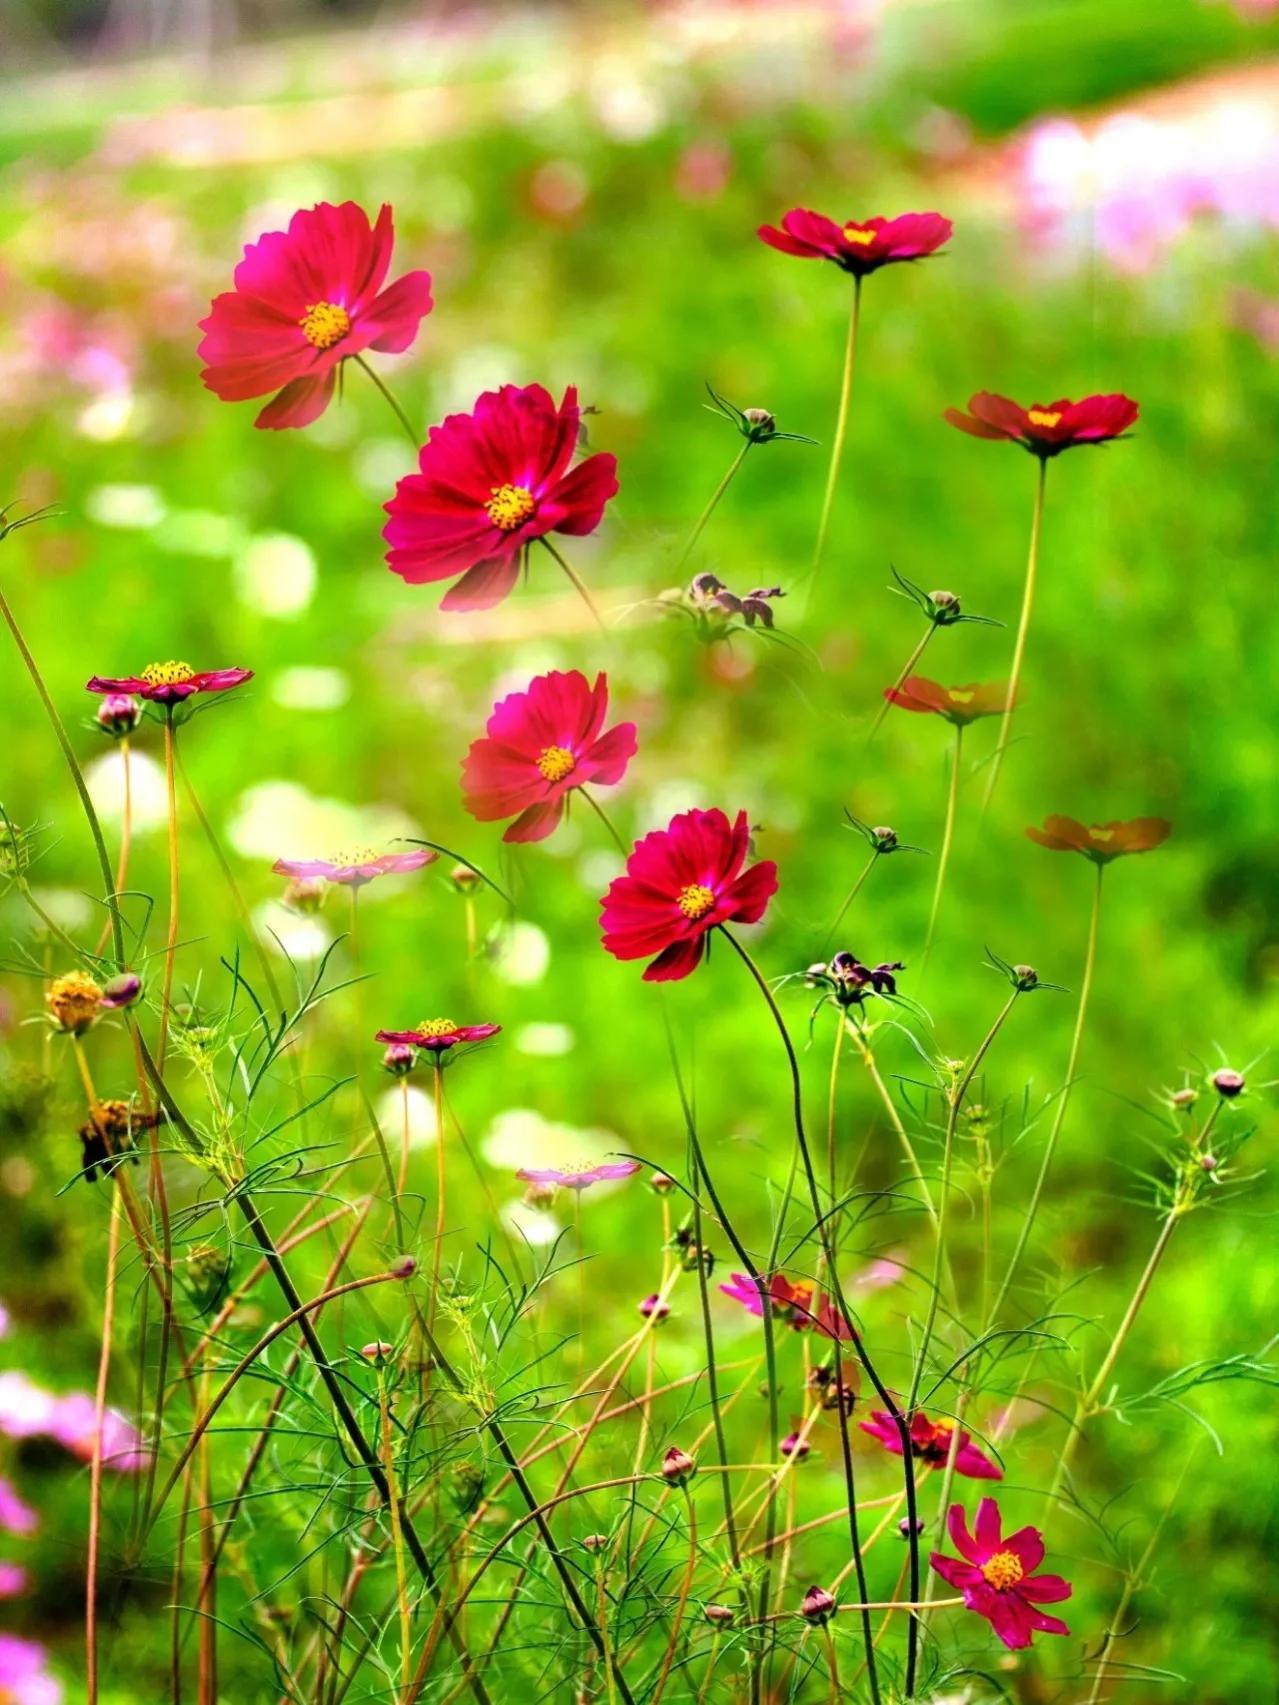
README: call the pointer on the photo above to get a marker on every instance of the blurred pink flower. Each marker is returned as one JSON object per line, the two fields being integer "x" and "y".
{"x": 13, "y": 1580}
{"x": 15, "y": 1516}
{"x": 355, "y": 868}
{"x": 24, "y": 1680}
{"x": 28, "y": 1411}
{"x": 578, "y": 1177}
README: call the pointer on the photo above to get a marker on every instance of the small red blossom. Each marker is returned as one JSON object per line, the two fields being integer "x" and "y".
{"x": 1046, "y": 429}
{"x": 540, "y": 744}
{"x": 997, "y": 1575}
{"x": 437, "y": 1035}
{"x": 488, "y": 484}
{"x": 1102, "y": 842}
{"x": 680, "y": 883}
{"x": 800, "y": 1304}
{"x": 930, "y": 1442}
{"x": 354, "y": 869}
{"x": 859, "y": 246}
{"x": 579, "y": 1177}
{"x": 959, "y": 705}
{"x": 169, "y": 683}
{"x": 305, "y": 300}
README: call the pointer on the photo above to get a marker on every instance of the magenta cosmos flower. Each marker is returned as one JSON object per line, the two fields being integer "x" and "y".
{"x": 488, "y": 484}
{"x": 800, "y": 1305}
{"x": 930, "y": 1443}
{"x": 169, "y": 683}
{"x": 355, "y": 868}
{"x": 305, "y": 300}
{"x": 959, "y": 705}
{"x": 997, "y": 1575}
{"x": 859, "y": 246}
{"x": 681, "y": 882}
{"x": 1046, "y": 429}
{"x": 579, "y": 1177}
{"x": 438, "y": 1034}
{"x": 24, "y": 1679}
{"x": 541, "y": 744}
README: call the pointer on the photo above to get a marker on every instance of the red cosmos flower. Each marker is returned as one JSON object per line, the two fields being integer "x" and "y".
{"x": 439, "y": 1034}
{"x": 305, "y": 300}
{"x": 860, "y": 246}
{"x": 169, "y": 683}
{"x": 996, "y": 1577}
{"x": 681, "y": 882}
{"x": 801, "y": 1306}
{"x": 1102, "y": 842}
{"x": 959, "y": 705}
{"x": 1046, "y": 429}
{"x": 488, "y": 483}
{"x": 579, "y": 1177}
{"x": 930, "y": 1442}
{"x": 355, "y": 868}
{"x": 540, "y": 744}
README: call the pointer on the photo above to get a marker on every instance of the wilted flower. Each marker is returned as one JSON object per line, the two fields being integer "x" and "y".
{"x": 169, "y": 683}
{"x": 304, "y": 301}
{"x": 579, "y": 1177}
{"x": 119, "y": 714}
{"x": 74, "y": 1001}
{"x": 996, "y": 1576}
{"x": 1046, "y": 429}
{"x": 1102, "y": 842}
{"x": 849, "y": 982}
{"x": 707, "y": 595}
{"x": 355, "y": 868}
{"x": 858, "y": 246}
{"x": 678, "y": 1467}
{"x": 541, "y": 744}
{"x": 959, "y": 705}
{"x": 930, "y": 1442}
{"x": 437, "y": 1035}
{"x": 680, "y": 883}
{"x": 818, "y": 1606}
{"x": 109, "y": 1134}
{"x": 488, "y": 484}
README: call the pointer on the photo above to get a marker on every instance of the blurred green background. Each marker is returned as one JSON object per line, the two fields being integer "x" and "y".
{"x": 584, "y": 185}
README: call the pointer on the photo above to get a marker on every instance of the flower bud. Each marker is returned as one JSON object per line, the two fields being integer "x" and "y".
{"x": 403, "y": 1267}
{"x": 119, "y": 714}
{"x": 655, "y": 1308}
{"x": 905, "y": 1525}
{"x": 678, "y": 1467}
{"x": 1228, "y": 1083}
{"x": 1209, "y": 1162}
{"x": 305, "y": 895}
{"x": 720, "y": 1615}
{"x": 882, "y": 838}
{"x": 795, "y": 1446}
{"x": 1182, "y": 1100}
{"x": 399, "y": 1059}
{"x": 762, "y": 424}
{"x": 818, "y": 1606}
{"x": 464, "y": 879}
{"x": 121, "y": 991}
{"x": 74, "y": 1001}
{"x": 377, "y": 1351}
{"x": 540, "y": 1195}
{"x": 661, "y": 1184}
{"x": 595, "y": 1541}
{"x": 1024, "y": 977}
{"x": 945, "y": 607}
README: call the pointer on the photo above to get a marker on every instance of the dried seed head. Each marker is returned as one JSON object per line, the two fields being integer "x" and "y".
{"x": 74, "y": 1000}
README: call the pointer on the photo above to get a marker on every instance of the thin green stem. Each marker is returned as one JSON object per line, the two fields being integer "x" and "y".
{"x": 171, "y": 940}
{"x": 1072, "y": 1064}
{"x": 599, "y": 811}
{"x": 398, "y": 412}
{"x": 577, "y": 583}
{"x": 852, "y": 894}
{"x": 1023, "y": 628}
{"x": 948, "y": 836}
{"x": 841, "y": 425}
{"x": 904, "y": 674}
{"x": 710, "y": 508}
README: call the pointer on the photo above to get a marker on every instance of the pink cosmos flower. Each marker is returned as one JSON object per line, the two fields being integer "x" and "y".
{"x": 304, "y": 301}
{"x": 488, "y": 484}
{"x": 29, "y": 1411}
{"x": 15, "y": 1516}
{"x": 169, "y": 683}
{"x": 578, "y": 1177}
{"x": 800, "y": 1305}
{"x": 438, "y": 1034}
{"x": 13, "y": 1580}
{"x": 680, "y": 883}
{"x": 1046, "y": 429}
{"x": 930, "y": 1443}
{"x": 354, "y": 869}
{"x": 858, "y": 246}
{"x": 24, "y": 1680}
{"x": 997, "y": 1575}
{"x": 541, "y": 744}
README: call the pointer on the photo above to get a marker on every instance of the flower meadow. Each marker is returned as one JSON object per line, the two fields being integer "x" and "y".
{"x": 655, "y": 1088}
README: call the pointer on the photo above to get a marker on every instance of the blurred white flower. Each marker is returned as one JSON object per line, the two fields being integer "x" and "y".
{"x": 421, "y": 1113}
{"x": 311, "y": 688}
{"x": 126, "y": 506}
{"x": 545, "y": 1040}
{"x": 302, "y": 939}
{"x": 275, "y": 574}
{"x": 534, "y": 1225}
{"x": 521, "y": 954}
{"x": 104, "y": 777}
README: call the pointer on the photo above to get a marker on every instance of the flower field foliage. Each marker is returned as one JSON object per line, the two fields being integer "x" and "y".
{"x": 638, "y": 896}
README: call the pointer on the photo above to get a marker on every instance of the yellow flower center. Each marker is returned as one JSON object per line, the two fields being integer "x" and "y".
{"x": 167, "y": 674}
{"x": 325, "y": 324}
{"x": 1003, "y": 1570}
{"x": 510, "y": 506}
{"x": 348, "y": 859}
{"x": 858, "y": 234}
{"x": 960, "y": 695}
{"x": 1043, "y": 417}
{"x": 556, "y": 762}
{"x": 436, "y": 1027}
{"x": 695, "y": 900}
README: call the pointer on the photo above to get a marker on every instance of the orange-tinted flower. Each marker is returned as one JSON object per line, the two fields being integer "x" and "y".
{"x": 1046, "y": 429}
{"x": 959, "y": 705}
{"x": 1102, "y": 842}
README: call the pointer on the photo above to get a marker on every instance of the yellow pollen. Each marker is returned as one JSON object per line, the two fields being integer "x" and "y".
{"x": 167, "y": 674}
{"x": 510, "y": 506}
{"x": 695, "y": 900}
{"x": 1003, "y": 1570}
{"x": 1043, "y": 417}
{"x": 855, "y": 234}
{"x": 556, "y": 762}
{"x": 436, "y": 1027}
{"x": 325, "y": 324}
